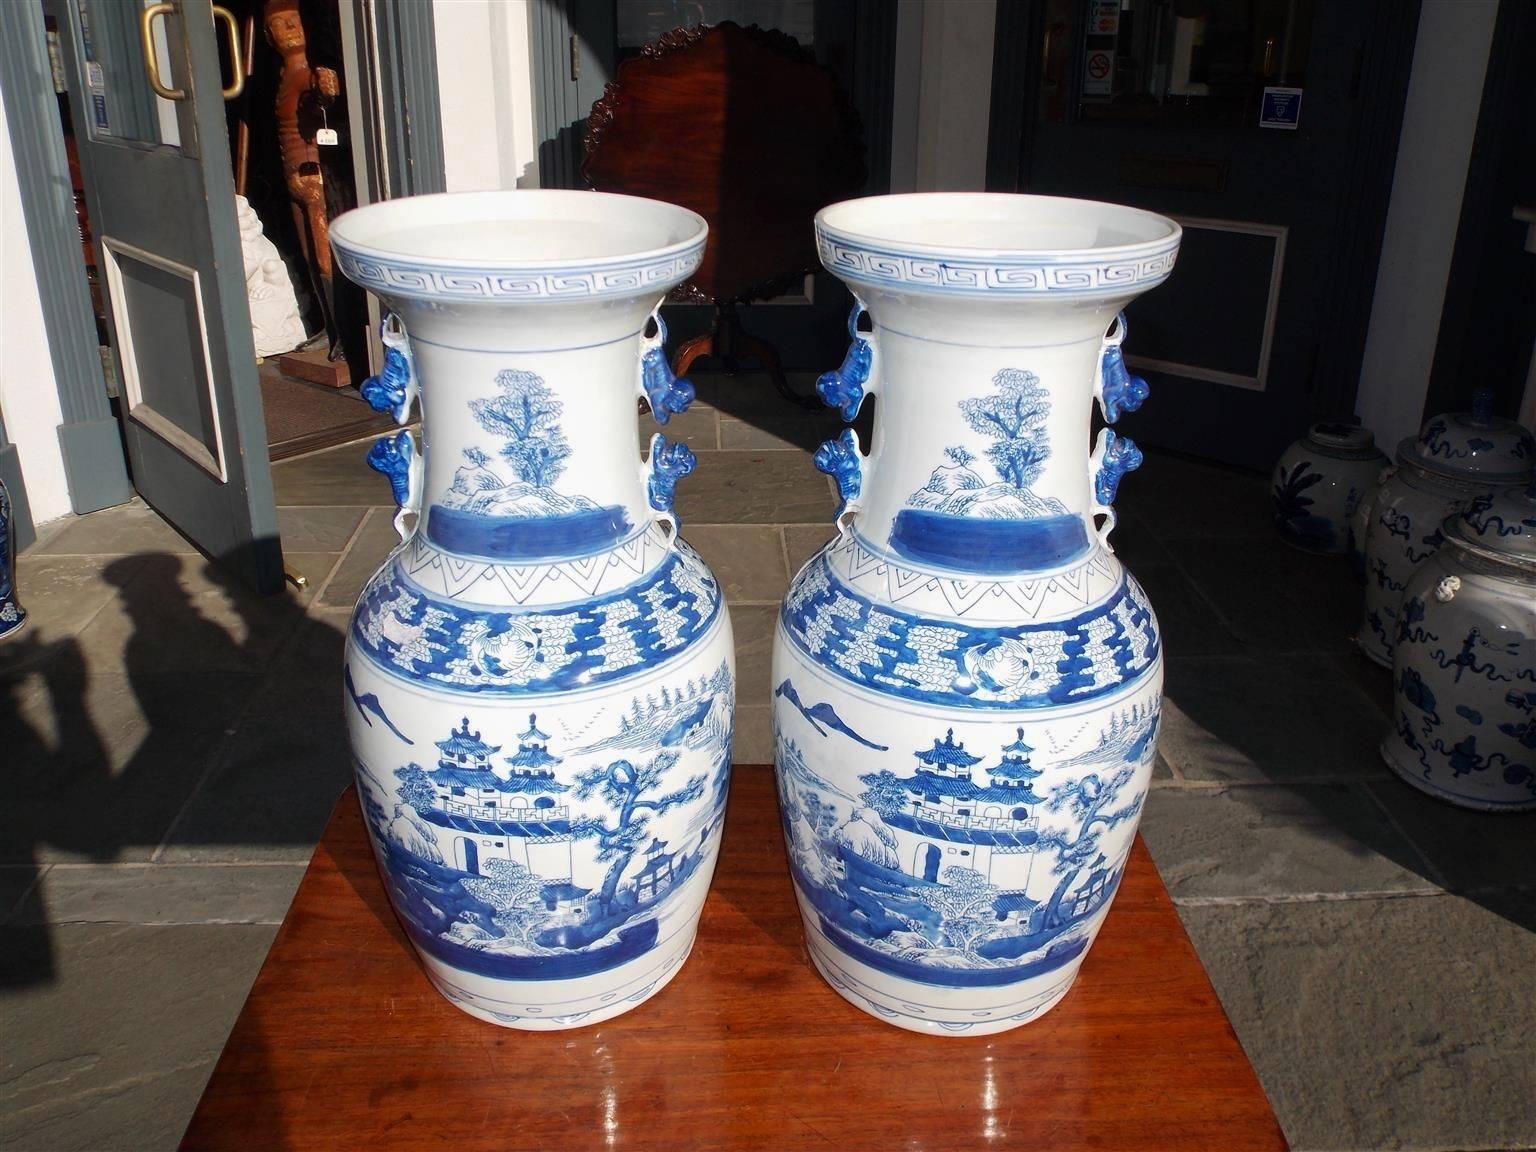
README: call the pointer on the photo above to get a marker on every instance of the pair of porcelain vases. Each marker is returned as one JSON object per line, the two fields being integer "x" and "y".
{"x": 540, "y": 681}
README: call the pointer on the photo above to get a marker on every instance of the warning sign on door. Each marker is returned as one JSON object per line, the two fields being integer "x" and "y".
{"x": 1098, "y": 73}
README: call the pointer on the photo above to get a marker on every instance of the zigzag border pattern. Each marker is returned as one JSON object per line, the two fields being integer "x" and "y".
{"x": 875, "y": 574}
{"x": 481, "y": 582}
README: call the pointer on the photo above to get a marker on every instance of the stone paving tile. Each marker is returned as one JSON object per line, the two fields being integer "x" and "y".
{"x": 753, "y": 739}
{"x": 375, "y": 541}
{"x": 755, "y": 488}
{"x": 1239, "y": 719}
{"x": 335, "y": 477}
{"x": 317, "y": 529}
{"x": 122, "y": 1023}
{"x": 269, "y": 798}
{"x": 62, "y": 594}
{"x": 1275, "y": 598}
{"x": 163, "y": 894}
{"x": 753, "y": 628}
{"x": 180, "y": 613}
{"x": 792, "y": 429}
{"x": 131, "y": 527}
{"x": 1396, "y": 1023}
{"x": 1268, "y": 842}
{"x": 802, "y": 541}
{"x": 99, "y": 764}
{"x": 747, "y": 559}
{"x": 1470, "y": 851}
{"x": 304, "y": 680}
{"x": 1181, "y": 499}
{"x": 315, "y": 567}
{"x": 1189, "y": 625}
{"x": 695, "y": 428}
{"x": 1367, "y": 675}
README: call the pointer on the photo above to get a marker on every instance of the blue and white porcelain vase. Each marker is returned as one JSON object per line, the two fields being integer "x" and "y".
{"x": 967, "y": 682}
{"x": 1318, "y": 483}
{"x": 1455, "y": 458}
{"x": 1465, "y": 665}
{"x": 540, "y": 680}
{"x": 12, "y": 615}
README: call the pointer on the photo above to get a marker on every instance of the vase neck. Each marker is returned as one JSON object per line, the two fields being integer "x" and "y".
{"x": 981, "y": 454}
{"x": 530, "y": 433}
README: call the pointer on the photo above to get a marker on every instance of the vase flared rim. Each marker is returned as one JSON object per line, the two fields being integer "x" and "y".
{"x": 534, "y": 246}
{"x": 997, "y": 243}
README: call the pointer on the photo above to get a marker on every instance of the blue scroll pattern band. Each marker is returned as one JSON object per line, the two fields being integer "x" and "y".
{"x": 1093, "y": 654}
{"x": 423, "y": 638}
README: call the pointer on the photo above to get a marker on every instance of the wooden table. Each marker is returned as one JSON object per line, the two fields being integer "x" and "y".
{"x": 343, "y": 1043}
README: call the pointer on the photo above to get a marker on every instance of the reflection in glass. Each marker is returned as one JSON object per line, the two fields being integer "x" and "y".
{"x": 1179, "y": 63}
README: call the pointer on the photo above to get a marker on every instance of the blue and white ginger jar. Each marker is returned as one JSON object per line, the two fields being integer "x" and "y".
{"x": 967, "y": 682}
{"x": 13, "y": 617}
{"x": 1455, "y": 458}
{"x": 1464, "y": 671}
{"x": 540, "y": 680}
{"x": 1319, "y": 482}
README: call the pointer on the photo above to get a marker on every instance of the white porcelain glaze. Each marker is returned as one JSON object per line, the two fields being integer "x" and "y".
{"x": 540, "y": 680}
{"x": 967, "y": 682}
{"x": 1455, "y": 458}
{"x": 1464, "y": 724}
{"x": 1320, "y": 481}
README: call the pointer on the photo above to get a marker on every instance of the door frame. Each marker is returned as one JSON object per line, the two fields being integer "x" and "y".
{"x": 90, "y": 442}
{"x": 1380, "y": 88}
{"x": 396, "y": 82}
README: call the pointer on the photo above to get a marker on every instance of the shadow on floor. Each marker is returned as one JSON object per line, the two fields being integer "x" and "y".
{"x": 1265, "y": 686}
{"x": 216, "y": 735}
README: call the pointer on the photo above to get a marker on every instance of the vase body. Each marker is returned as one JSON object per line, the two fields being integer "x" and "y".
{"x": 1456, "y": 458}
{"x": 967, "y": 682}
{"x": 540, "y": 680}
{"x": 12, "y": 615}
{"x": 1318, "y": 484}
{"x": 1464, "y": 667}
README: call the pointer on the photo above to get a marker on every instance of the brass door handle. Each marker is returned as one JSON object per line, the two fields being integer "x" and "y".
{"x": 152, "y": 59}
{"x": 236, "y": 60}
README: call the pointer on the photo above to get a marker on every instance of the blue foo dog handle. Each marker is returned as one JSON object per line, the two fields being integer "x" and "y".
{"x": 1114, "y": 455}
{"x": 668, "y": 395}
{"x": 395, "y": 388}
{"x": 845, "y": 390}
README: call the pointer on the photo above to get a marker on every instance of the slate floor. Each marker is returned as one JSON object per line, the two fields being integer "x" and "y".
{"x": 171, "y": 747}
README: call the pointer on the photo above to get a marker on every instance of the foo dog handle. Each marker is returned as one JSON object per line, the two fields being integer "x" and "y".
{"x": 845, "y": 390}
{"x": 1113, "y": 456}
{"x": 1117, "y": 390}
{"x": 668, "y": 463}
{"x": 394, "y": 389}
{"x": 397, "y": 459}
{"x": 668, "y": 394}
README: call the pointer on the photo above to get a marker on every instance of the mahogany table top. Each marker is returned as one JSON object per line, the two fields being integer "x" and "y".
{"x": 344, "y": 1044}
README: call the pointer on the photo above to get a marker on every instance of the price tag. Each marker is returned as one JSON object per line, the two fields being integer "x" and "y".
{"x": 327, "y": 136}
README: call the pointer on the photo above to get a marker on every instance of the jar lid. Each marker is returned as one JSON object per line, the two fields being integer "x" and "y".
{"x": 1475, "y": 445}
{"x": 1500, "y": 524}
{"x": 1338, "y": 439}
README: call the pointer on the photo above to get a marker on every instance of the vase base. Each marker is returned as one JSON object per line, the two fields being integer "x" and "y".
{"x": 1406, "y": 772}
{"x": 908, "y": 1004}
{"x": 1372, "y": 650}
{"x": 568, "y": 1011}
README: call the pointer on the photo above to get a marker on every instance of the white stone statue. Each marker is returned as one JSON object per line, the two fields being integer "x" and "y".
{"x": 275, "y": 321}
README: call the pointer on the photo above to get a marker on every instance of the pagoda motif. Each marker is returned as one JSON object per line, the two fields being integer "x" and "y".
{"x": 949, "y": 819}
{"x": 1014, "y": 769}
{"x": 533, "y": 761}
{"x": 484, "y": 811}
